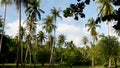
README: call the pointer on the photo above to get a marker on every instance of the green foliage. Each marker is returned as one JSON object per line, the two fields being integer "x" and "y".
{"x": 8, "y": 52}
{"x": 108, "y": 47}
{"x": 76, "y": 10}
{"x": 43, "y": 55}
{"x": 48, "y": 24}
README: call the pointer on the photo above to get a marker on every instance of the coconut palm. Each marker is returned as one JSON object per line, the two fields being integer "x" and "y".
{"x": 33, "y": 10}
{"x": 55, "y": 13}
{"x": 18, "y": 5}
{"x": 41, "y": 37}
{"x": 92, "y": 29}
{"x": 70, "y": 45}
{"x": 84, "y": 40}
{"x": 61, "y": 42}
{"x": 49, "y": 27}
{"x": 33, "y": 14}
{"x": 22, "y": 33}
{"x": 48, "y": 24}
{"x": 5, "y": 3}
{"x": 31, "y": 28}
{"x": 105, "y": 8}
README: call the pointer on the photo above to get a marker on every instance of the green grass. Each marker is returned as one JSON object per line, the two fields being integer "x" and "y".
{"x": 46, "y": 66}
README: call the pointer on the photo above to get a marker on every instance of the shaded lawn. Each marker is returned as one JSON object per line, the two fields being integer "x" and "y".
{"x": 46, "y": 66}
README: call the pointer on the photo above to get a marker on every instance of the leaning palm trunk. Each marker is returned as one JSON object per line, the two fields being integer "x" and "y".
{"x": 3, "y": 25}
{"x": 51, "y": 57}
{"x": 93, "y": 62}
{"x": 18, "y": 47}
{"x": 51, "y": 54}
{"x": 52, "y": 48}
{"x": 110, "y": 61}
{"x": 28, "y": 50}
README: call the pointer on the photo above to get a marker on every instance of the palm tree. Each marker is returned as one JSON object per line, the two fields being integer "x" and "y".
{"x": 5, "y": 3}
{"x": 105, "y": 9}
{"x": 49, "y": 27}
{"x": 22, "y": 33}
{"x": 70, "y": 45}
{"x": 41, "y": 37}
{"x": 18, "y": 5}
{"x": 84, "y": 40}
{"x": 55, "y": 14}
{"x": 92, "y": 29}
{"x": 32, "y": 11}
{"x": 61, "y": 42}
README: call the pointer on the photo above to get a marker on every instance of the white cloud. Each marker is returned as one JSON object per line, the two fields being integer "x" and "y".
{"x": 72, "y": 32}
{"x": 11, "y": 28}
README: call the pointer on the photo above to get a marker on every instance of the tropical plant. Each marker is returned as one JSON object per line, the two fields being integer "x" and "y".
{"x": 18, "y": 5}
{"x": 49, "y": 27}
{"x": 105, "y": 8}
{"x": 109, "y": 48}
{"x": 33, "y": 14}
{"x": 5, "y": 3}
{"x": 84, "y": 40}
{"x": 55, "y": 14}
{"x": 92, "y": 29}
{"x": 41, "y": 37}
{"x": 61, "y": 42}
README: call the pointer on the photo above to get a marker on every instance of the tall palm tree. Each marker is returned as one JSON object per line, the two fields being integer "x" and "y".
{"x": 18, "y": 5}
{"x": 32, "y": 11}
{"x": 49, "y": 27}
{"x": 85, "y": 41}
{"x": 61, "y": 42}
{"x": 55, "y": 13}
{"x": 22, "y": 33}
{"x": 92, "y": 29}
{"x": 5, "y": 3}
{"x": 105, "y": 8}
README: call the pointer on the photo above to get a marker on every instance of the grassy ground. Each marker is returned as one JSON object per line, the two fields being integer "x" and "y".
{"x": 46, "y": 66}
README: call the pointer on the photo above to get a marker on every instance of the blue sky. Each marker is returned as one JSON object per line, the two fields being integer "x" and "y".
{"x": 74, "y": 30}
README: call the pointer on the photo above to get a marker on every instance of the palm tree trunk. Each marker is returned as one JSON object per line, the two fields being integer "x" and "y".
{"x": 109, "y": 28}
{"x": 51, "y": 56}
{"x": 92, "y": 62}
{"x": 18, "y": 47}
{"x": 22, "y": 53}
{"x": 26, "y": 56}
{"x": 110, "y": 61}
{"x": 3, "y": 25}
